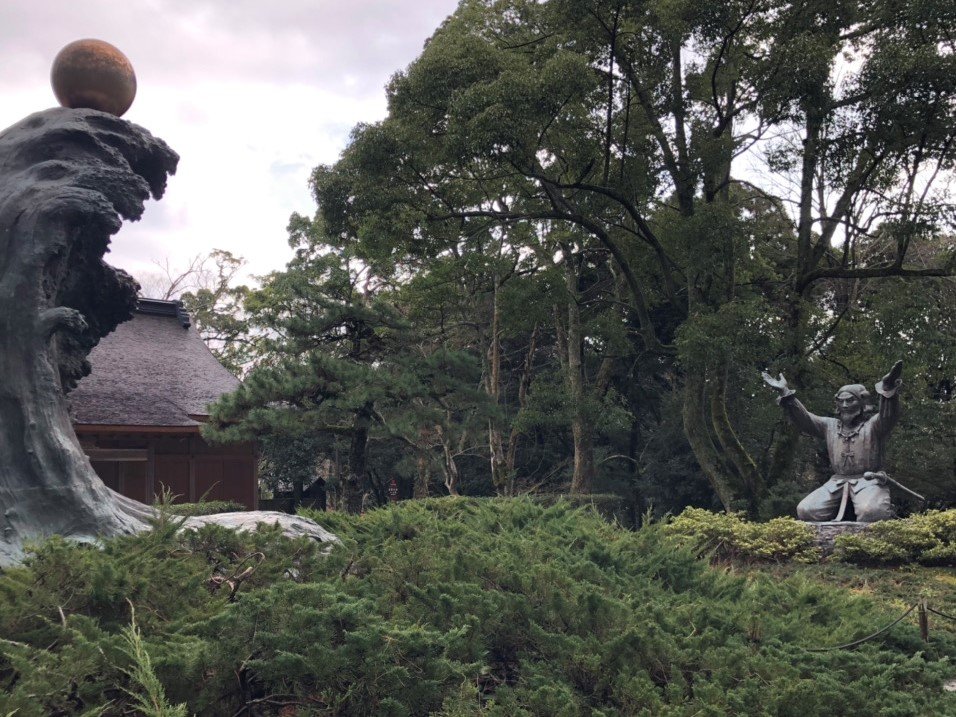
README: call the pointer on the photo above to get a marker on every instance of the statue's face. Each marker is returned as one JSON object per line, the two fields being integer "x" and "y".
{"x": 848, "y": 406}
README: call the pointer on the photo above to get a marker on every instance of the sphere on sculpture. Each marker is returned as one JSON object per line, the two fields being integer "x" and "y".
{"x": 94, "y": 74}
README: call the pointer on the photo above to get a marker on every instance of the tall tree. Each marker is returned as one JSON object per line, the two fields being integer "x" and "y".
{"x": 341, "y": 361}
{"x": 208, "y": 288}
{"x": 674, "y": 138}
{"x": 215, "y": 304}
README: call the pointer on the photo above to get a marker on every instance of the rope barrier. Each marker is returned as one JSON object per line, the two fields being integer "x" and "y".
{"x": 868, "y": 637}
{"x": 941, "y": 614}
{"x": 924, "y": 627}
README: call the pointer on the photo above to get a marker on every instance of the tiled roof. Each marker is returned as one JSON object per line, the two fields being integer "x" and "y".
{"x": 153, "y": 370}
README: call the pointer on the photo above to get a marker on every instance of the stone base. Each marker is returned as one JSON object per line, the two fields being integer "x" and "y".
{"x": 827, "y": 532}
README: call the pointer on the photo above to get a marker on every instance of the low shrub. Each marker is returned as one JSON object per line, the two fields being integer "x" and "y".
{"x": 928, "y": 538}
{"x": 611, "y": 506}
{"x": 730, "y": 536}
{"x": 451, "y": 607}
{"x": 209, "y": 507}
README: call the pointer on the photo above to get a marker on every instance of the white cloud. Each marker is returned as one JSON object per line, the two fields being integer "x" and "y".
{"x": 252, "y": 95}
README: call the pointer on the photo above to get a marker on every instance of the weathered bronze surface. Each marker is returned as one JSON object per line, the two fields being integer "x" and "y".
{"x": 68, "y": 177}
{"x": 856, "y": 442}
{"x": 93, "y": 74}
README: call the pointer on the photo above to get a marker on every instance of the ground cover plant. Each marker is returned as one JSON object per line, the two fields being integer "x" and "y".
{"x": 894, "y": 588}
{"x": 928, "y": 539}
{"x": 925, "y": 538}
{"x": 454, "y": 607}
{"x": 729, "y": 536}
{"x": 896, "y": 563}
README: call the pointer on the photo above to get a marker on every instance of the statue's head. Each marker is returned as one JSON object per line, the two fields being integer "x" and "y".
{"x": 851, "y": 402}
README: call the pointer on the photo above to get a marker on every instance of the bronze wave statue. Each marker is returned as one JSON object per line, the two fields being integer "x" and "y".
{"x": 68, "y": 177}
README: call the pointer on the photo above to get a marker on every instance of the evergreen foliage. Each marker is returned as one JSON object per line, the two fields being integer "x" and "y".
{"x": 343, "y": 365}
{"x": 289, "y": 464}
{"x": 925, "y": 539}
{"x": 601, "y": 148}
{"x": 604, "y": 219}
{"x": 451, "y": 606}
{"x": 146, "y": 690}
{"x": 731, "y": 536}
{"x": 928, "y": 539}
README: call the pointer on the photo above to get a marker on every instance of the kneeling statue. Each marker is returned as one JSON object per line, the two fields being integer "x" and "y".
{"x": 855, "y": 443}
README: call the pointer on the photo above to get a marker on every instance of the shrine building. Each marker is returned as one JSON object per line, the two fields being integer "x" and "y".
{"x": 138, "y": 414}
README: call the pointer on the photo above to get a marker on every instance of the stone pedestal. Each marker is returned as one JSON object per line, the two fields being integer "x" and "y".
{"x": 827, "y": 532}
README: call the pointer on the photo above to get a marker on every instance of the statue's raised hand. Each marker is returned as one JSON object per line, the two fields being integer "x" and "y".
{"x": 892, "y": 379}
{"x": 778, "y": 384}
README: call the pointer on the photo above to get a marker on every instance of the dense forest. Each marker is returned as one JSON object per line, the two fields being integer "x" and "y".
{"x": 561, "y": 261}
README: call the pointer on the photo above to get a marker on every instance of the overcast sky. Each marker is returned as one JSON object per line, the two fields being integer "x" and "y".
{"x": 251, "y": 94}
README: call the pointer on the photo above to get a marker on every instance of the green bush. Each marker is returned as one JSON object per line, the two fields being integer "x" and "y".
{"x": 209, "y": 507}
{"x": 611, "y": 506}
{"x": 928, "y": 539}
{"x": 730, "y": 536}
{"x": 451, "y": 607}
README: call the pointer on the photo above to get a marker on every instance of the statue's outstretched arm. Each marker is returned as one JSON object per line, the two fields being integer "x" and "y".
{"x": 797, "y": 413}
{"x": 888, "y": 390}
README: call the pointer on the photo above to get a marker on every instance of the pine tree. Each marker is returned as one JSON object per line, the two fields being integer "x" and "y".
{"x": 341, "y": 361}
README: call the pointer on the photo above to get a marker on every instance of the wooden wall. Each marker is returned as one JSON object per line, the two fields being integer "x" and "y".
{"x": 143, "y": 465}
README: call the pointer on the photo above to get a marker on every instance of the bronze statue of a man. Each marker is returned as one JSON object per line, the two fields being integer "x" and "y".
{"x": 855, "y": 444}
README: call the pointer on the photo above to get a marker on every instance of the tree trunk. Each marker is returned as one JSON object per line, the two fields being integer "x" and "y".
{"x": 423, "y": 476}
{"x": 794, "y": 366}
{"x": 730, "y": 444}
{"x": 496, "y": 449}
{"x": 582, "y": 479}
{"x": 449, "y": 464}
{"x": 784, "y": 448}
{"x": 355, "y": 483}
{"x": 67, "y": 178}
{"x": 638, "y": 505}
{"x": 524, "y": 384}
{"x": 698, "y": 435}
{"x": 451, "y": 471}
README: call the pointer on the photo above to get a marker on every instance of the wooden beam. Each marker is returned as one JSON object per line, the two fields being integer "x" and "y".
{"x": 117, "y": 454}
{"x": 82, "y": 428}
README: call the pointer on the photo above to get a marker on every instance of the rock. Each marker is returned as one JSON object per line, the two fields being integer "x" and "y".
{"x": 293, "y": 526}
{"x": 827, "y": 533}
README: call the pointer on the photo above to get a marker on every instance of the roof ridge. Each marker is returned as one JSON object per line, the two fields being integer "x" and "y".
{"x": 164, "y": 307}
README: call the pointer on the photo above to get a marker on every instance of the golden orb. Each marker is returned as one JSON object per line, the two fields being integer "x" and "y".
{"x": 94, "y": 74}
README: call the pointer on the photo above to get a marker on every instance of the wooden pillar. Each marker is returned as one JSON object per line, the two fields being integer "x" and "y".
{"x": 151, "y": 469}
{"x": 192, "y": 469}
{"x": 255, "y": 478}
